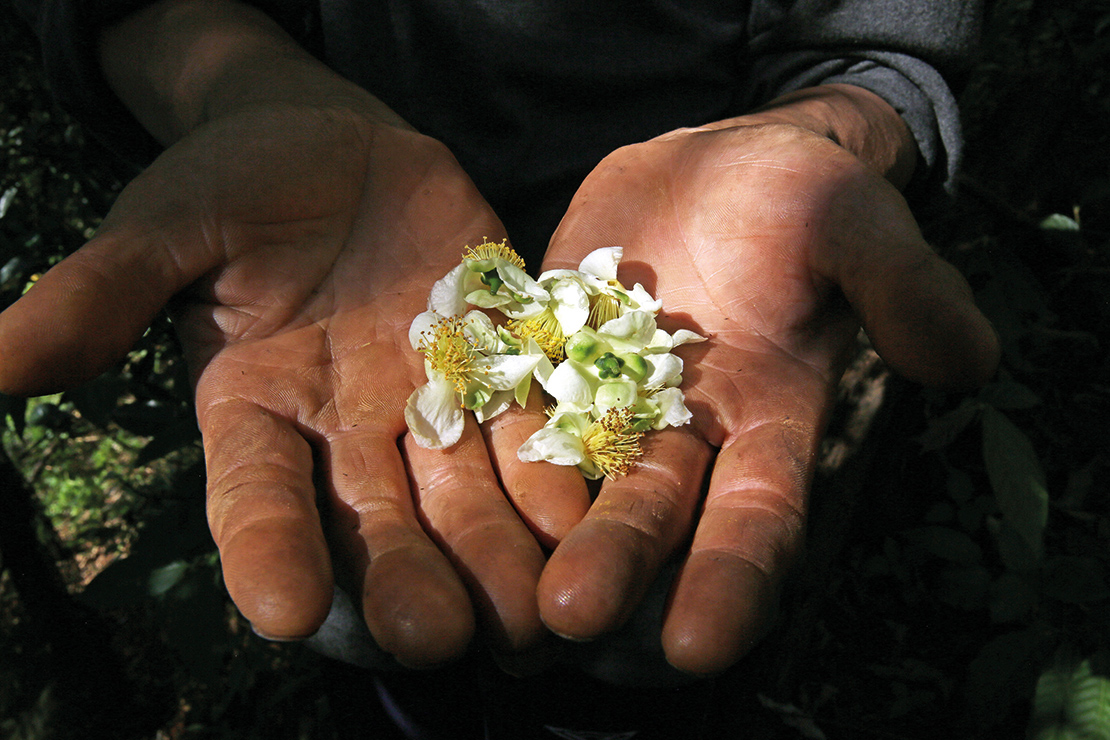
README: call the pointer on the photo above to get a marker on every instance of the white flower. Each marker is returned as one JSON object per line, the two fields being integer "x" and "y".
{"x": 469, "y": 365}
{"x": 607, "y": 447}
{"x": 608, "y": 297}
{"x": 494, "y": 277}
{"x": 565, "y": 312}
{"x": 592, "y": 343}
{"x": 490, "y": 275}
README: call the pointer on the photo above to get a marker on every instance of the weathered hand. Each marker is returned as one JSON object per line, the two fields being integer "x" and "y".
{"x": 752, "y": 236}
{"x": 300, "y": 243}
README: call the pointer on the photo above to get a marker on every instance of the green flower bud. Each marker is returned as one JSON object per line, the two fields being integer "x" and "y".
{"x": 584, "y": 346}
{"x": 634, "y": 367}
{"x": 609, "y": 366}
{"x": 493, "y": 280}
{"x": 616, "y": 394}
{"x": 475, "y": 397}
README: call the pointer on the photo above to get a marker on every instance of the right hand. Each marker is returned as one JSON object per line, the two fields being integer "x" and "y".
{"x": 295, "y": 245}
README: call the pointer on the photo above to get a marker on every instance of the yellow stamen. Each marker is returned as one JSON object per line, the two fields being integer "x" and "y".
{"x": 603, "y": 307}
{"x": 449, "y": 351}
{"x": 493, "y": 250}
{"x": 611, "y": 444}
{"x": 546, "y": 330}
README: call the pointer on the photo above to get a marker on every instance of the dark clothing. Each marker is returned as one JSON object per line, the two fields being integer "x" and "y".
{"x": 531, "y": 94}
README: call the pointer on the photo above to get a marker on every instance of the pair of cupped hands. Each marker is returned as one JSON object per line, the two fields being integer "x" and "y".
{"x": 295, "y": 244}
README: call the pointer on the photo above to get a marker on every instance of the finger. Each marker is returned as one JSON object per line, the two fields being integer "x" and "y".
{"x": 748, "y": 534}
{"x": 414, "y": 603}
{"x": 551, "y": 499}
{"x": 84, "y": 314}
{"x": 261, "y": 509}
{"x": 464, "y": 510}
{"x": 601, "y": 570}
{"x": 917, "y": 309}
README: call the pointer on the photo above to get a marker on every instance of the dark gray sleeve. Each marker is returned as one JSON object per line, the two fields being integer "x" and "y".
{"x": 912, "y": 54}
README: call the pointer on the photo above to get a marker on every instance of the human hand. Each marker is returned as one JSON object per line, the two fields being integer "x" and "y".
{"x": 751, "y": 234}
{"x": 297, "y": 242}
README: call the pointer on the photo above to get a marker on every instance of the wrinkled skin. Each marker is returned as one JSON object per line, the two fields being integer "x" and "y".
{"x": 753, "y": 236}
{"x": 299, "y": 244}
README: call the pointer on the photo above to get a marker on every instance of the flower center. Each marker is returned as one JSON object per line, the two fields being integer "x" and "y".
{"x": 611, "y": 444}
{"x": 604, "y": 307}
{"x": 546, "y": 330}
{"x": 488, "y": 250}
{"x": 449, "y": 351}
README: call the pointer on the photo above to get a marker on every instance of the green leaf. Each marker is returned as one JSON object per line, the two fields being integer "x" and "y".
{"x": 1015, "y": 552}
{"x": 943, "y": 430}
{"x": 6, "y": 200}
{"x": 1071, "y": 702}
{"x": 1016, "y": 477}
{"x": 1059, "y": 222}
{"x": 165, "y": 578}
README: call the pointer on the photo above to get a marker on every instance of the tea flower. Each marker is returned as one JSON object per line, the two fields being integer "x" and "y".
{"x": 605, "y": 447}
{"x": 565, "y": 312}
{"x": 492, "y": 276}
{"x": 592, "y": 343}
{"x": 469, "y": 365}
{"x": 608, "y": 298}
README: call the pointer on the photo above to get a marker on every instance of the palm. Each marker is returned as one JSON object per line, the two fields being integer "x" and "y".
{"x": 305, "y": 244}
{"x": 745, "y": 235}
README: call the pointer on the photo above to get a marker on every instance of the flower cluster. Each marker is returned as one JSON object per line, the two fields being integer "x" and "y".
{"x": 590, "y": 342}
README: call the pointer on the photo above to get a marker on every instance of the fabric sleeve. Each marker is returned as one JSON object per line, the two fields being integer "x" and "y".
{"x": 68, "y": 30}
{"x": 915, "y": 55}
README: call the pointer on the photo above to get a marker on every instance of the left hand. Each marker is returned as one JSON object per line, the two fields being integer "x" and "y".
{"x": 751, "y": 235}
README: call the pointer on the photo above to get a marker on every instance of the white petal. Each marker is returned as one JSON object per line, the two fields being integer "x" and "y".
{"x": 570, "y": 304}
{"x": 544, "y": 368}
{"x": 498, "y": 403}
{"x": 663, "y": 370}
{"x": 661, "y": 341}
{"x": 642, "y": 300}
{"x": 448, "y": 295}
{"x": 685, "y": 336}
{"x": 547, "y": 277}
{"x": 520, "y": 393}
{"x": 479, "y": 330}
{"x": 630, "y": 332}
{"x": 504, "y": 372}
{"x": 602, "y": 262}
{"x": 433, "y": 415}
{"x": 482, "y": 297}
{"x": 570, "y": 386}
{"x": 672, "y": 409}
{"x": 554, "y": 445}
{"x": 521, "y": 283}
{"x": 421, "y": 324}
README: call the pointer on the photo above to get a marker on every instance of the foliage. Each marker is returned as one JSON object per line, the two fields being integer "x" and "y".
{"x": 970, "y": 593}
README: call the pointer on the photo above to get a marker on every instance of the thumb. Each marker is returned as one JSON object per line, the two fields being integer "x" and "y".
{"x": 85, "y": 313}
{"x": 917, "y": 309}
